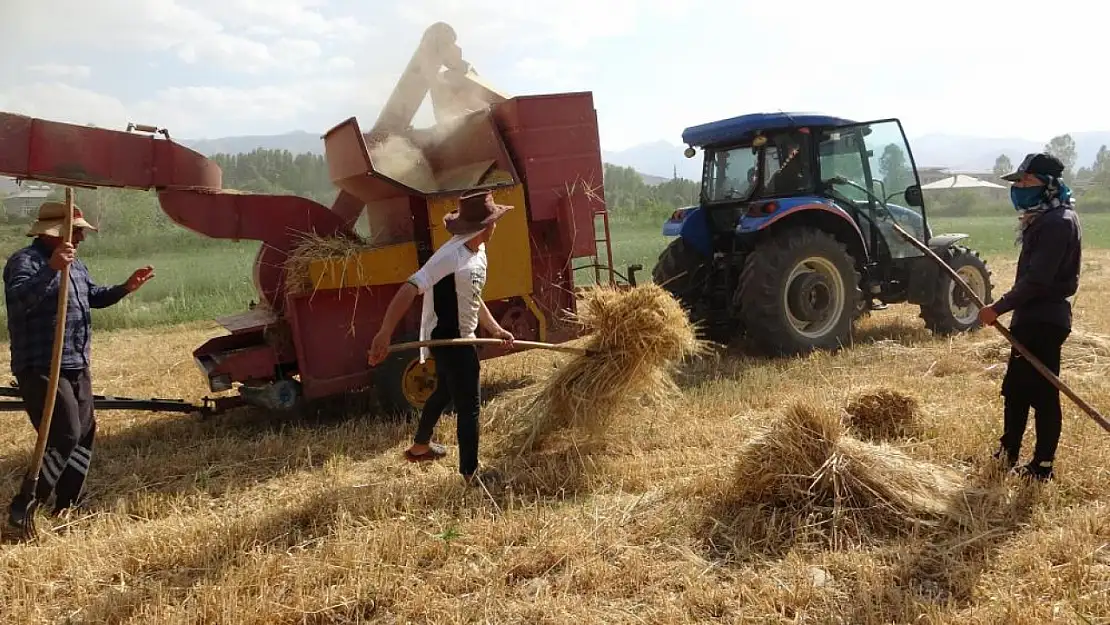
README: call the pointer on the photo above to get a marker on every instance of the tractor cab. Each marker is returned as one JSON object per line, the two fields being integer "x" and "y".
{"x": 793, "y": 237}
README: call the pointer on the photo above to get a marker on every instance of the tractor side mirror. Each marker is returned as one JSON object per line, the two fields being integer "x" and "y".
{"x": 913, "y": 196}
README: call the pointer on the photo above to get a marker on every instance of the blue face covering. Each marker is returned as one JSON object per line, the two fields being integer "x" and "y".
{"x": 1026, "y": 197}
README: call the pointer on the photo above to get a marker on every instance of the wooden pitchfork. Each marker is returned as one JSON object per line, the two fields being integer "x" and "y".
{"x": 30, "y": 481}
{"x": 1033, "y": 360}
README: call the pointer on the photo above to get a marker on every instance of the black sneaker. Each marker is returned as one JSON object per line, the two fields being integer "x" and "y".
{"x": 1036, "y": 470}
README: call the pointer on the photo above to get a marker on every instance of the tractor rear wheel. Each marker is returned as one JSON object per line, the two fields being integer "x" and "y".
{"x": 683, "y": 272}
{"x": 799, "y": 292}
{"x": 680, "y": 270}
{"x": 951, "y": 310}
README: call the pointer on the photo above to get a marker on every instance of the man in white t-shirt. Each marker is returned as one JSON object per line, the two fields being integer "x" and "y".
{"x": 455, "y": 276}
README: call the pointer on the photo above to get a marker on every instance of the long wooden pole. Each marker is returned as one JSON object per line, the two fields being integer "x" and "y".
{"x": 30, "y": 482}
{"x": 581, "y": 351}
{"x": 1025, "y": 353}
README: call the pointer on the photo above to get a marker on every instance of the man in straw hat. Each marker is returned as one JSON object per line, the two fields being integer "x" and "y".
{"x": 1047, "y": 277}
{"x": 31, "y": 279}
{"x": 455, "y": 275}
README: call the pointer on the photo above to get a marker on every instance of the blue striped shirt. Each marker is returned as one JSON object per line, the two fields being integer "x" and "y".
{"x": 31, "y": 295}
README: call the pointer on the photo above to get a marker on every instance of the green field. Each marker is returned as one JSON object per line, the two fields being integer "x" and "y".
{"x": 214, "y": 278}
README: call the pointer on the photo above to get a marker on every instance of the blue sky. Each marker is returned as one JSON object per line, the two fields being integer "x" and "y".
{"x": 210, "y": 68}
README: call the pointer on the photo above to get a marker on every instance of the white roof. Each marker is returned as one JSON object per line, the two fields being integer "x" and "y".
{"x": 961, "y": 181}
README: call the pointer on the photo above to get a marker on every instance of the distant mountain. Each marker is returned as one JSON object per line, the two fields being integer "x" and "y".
{"x": 659, "y": 158}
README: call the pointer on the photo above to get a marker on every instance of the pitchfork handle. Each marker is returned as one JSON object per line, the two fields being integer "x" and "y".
{"x": 1033, "y": 360}
{"x": 30, "y": 481}
{"x": 581, "y": 351}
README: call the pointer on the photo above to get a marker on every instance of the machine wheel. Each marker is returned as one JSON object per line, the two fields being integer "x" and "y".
{"x": 403, "y": 384}
{"x": 951, "y": 310}
{"x": 682, "y": 272}
{"x": 799, "y": 292}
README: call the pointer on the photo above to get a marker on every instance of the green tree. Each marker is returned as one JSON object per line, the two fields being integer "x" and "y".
{"x": 1063, "y": 148}
{"x": 895, "y": 169}
{"x": 1003, "y": 165}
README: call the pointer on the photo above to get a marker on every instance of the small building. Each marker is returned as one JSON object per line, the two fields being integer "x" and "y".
{"x": 24, "y": 205}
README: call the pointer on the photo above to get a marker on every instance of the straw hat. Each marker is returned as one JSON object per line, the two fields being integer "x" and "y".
{"x": 475, "y": 212}
{"x": 52, "y": 216}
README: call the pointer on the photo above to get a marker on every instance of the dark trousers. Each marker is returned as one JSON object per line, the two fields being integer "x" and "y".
{"x": 1024, "y": 388}
{"x": 69, "y": 444}
{"x": 457, "y": 379}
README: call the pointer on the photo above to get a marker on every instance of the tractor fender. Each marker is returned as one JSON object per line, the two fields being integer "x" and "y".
{"x": 944, "y": 241}
{"x": 690, "y": 223}
{"x": 818, "y": 212}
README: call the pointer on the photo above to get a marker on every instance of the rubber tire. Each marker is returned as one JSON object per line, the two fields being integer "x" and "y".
{"x": 763, "y": 280}
{"x": 938, "y": 313}
{"x": 677, "y": 258}
{"x": 388, "y": 377}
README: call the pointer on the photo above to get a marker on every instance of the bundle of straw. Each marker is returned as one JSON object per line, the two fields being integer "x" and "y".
{"x": 805, "y": 467}
{"x": 313, "y": 247}
{"x": 883, "y": 414}
{"x": 635, "y": 336}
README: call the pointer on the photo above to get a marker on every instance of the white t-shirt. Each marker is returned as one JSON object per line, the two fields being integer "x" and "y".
{"x": 469, "y": 271}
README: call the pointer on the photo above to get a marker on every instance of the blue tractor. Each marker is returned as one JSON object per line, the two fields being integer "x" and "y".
{"x": 791, "y": 240}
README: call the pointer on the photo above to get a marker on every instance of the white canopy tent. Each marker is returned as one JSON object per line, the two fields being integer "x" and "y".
{"x": 960, "y": 181}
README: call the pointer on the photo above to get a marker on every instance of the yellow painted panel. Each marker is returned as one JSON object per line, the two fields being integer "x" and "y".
{"x": 390, "y": 264}
{"x": 509, "y": 251}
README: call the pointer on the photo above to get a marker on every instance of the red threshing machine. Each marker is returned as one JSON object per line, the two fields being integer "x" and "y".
{"x": 539, "y": 153}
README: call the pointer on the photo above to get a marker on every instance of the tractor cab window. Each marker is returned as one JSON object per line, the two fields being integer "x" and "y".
{"x": 874, "y": 159}
{"x": 740, "y": 174}
{"x": 786, "y": 165}
{"x": 731, "y": 174}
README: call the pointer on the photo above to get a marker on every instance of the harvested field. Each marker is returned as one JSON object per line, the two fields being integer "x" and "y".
{"x": 254, "y": 518}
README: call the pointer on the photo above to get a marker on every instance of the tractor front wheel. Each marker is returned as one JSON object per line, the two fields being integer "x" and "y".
{"x": 798, "y": 293}
{"x": 951, "y": 310}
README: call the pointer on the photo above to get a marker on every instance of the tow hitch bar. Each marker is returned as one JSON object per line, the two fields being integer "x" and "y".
{"x": 109, "y": 402}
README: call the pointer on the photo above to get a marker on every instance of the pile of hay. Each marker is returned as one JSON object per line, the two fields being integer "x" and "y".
{"x": 805, "y": 471}
{"x": 635, "y": 336}
{"x": 883, "y": 414}
{"x": 313, "y": 247}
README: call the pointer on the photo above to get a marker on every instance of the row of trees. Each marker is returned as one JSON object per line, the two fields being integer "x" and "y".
{"x": 137, "y": 214}
{"x": 1091, "y": 183}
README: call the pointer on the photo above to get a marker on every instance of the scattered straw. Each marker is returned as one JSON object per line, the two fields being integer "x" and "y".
{"x": 635, "y": 336}
{"x": 1084, "y": 352}
{"x": 883, "y": 414}
{"x": 804, "y": 467}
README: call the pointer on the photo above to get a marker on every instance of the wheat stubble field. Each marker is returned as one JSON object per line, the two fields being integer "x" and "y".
{"x": 251, "y": 518}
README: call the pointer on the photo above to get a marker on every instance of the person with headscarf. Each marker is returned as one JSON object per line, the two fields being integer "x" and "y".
{"x": 1040, "y": 300}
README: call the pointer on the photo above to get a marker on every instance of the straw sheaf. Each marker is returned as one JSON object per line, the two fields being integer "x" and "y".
{"x": 806, "y": 466}
{"x": 634, "y": 336}
{"x": 884, "y": 414}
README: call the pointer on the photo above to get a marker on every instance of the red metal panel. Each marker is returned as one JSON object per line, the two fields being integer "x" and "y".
{"x": 244, "y": 357}
{"x": 554, "y": 141}
{"x": 332, "y": 330}
{"x": 62, "y": 153}
{"x": 276, "y": 220}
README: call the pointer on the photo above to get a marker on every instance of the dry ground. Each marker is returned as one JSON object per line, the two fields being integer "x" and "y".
{"x": 249, "y": 518}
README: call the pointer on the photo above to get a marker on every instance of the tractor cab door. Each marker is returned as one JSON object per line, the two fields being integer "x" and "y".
{"x": 875, "y": 160}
